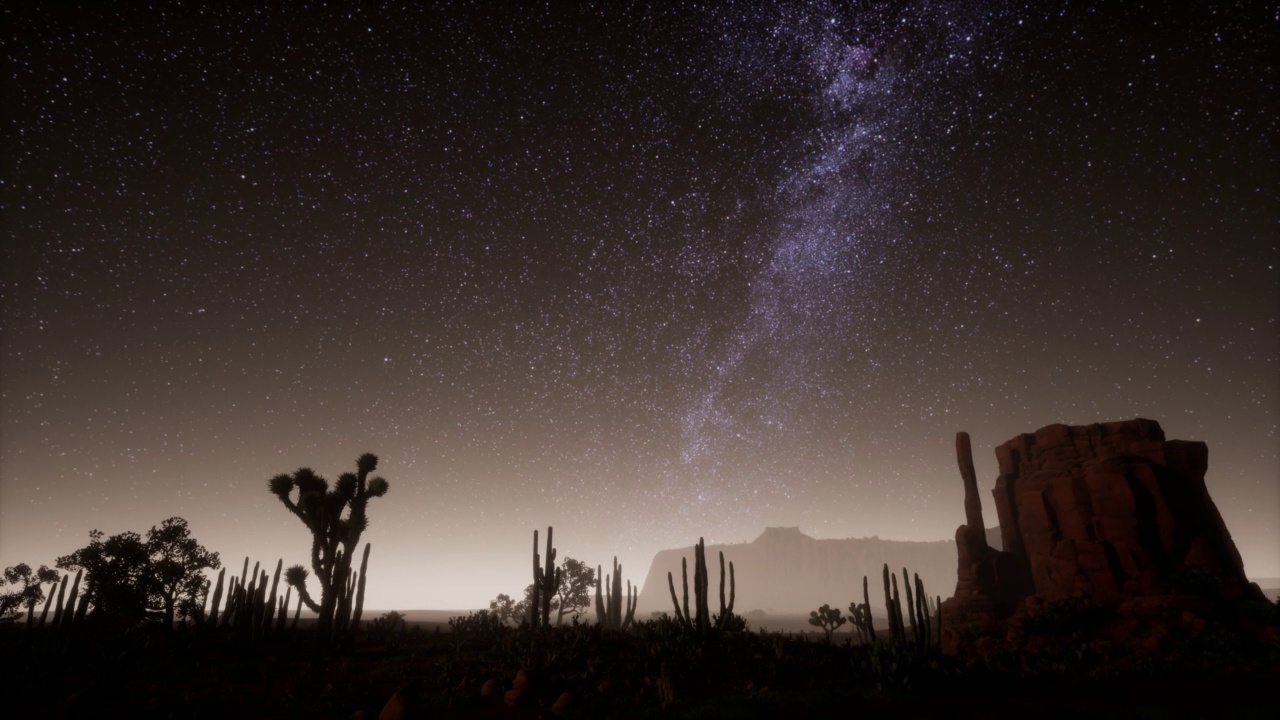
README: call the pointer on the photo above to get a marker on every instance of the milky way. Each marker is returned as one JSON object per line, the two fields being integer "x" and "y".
{"x": 643, "y": 273}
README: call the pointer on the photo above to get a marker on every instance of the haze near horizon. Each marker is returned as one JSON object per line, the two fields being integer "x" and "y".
{"x": 644, "y": 274}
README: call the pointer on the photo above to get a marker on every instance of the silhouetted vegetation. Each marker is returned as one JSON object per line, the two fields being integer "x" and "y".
{"x": 128, "y": 579}
{"x": 609, "y": 606}
{"x": 236, "y": 655}
{"x": 335, "y": 517}
{"x": 828, "y": 619}
{"x": 29, "y": 595}
{"x": 701, "y": 620}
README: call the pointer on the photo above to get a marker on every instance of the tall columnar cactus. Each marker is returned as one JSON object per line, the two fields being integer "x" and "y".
{"x": 269, "y": 607}
{"x": 284, "y": 610}
{"x": 546, "y": 580}
{"x": 68, "y": 616}
{"x": 922, "y": 629}
{"x": 609, "y": 607}
{"x": 701, "y": 620}
{"x": 359, "y": 606}
{"x": 911, "y": 605}
{"x": 921, "y": 613}
{"x": 58, "y": 609}
{"x": 866, "y": 603}
{"x": 888, "y": 604}
{"x": 860, "y": 615}
{"x": 217, "y": 598}
{"x": 44, "y": 614}
{"x": 335, "y": 517}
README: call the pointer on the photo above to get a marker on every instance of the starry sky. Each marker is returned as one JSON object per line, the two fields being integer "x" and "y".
{"x": 641, "y": 271}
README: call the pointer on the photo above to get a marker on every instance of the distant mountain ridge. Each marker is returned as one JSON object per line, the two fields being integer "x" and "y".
{"x": 785, "y": 571}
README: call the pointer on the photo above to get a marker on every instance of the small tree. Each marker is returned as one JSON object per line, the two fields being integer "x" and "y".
{"x": 505, "y": 609}
{"x": 117, "y": 571}
{"x": 574, "y": 594}
{"x": 828, "y": 618}
{"x": 335, "y": 518}
{"x": 29, "y": 595}
{"x": 177, "y": 569}
{"x": 521, "y": 608}
{"x": 128, "y": 577}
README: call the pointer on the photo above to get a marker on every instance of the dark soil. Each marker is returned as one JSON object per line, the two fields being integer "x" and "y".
{"x": 654, "y": 670}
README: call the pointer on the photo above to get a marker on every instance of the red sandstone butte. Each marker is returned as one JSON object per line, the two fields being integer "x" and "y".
{"x": 1102, "y": 513}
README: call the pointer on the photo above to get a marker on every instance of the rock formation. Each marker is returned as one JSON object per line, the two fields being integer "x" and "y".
{"x": 786, "y": 571}
{"x": 1101, "y": 514}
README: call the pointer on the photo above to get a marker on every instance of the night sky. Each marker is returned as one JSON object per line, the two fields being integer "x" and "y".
{"x": 641, "y": 271}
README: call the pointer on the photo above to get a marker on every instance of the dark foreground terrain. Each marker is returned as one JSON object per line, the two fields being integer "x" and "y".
{"x": 655, "y": 669}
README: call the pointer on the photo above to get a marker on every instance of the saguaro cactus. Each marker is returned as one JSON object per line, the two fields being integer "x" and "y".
{"x": 701, "y": 620}
{"x": 545, "y": 583}
{"x": 335, "y": 518}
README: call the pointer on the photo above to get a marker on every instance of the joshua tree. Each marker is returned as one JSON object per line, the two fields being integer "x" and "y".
{"x": 335, "y": 518}
{"x": 827, "y": 618}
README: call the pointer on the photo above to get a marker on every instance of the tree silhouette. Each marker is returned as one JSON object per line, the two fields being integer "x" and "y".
{"x": 29, "y": 595}
{"x": 116, "y": 574}
{"x": 574, "y": 593}
{"x": 128, "y": 577}
{"x": 335, "y": 518}
{"x": 505, "y": 608}
{"x": 177, "y": 564}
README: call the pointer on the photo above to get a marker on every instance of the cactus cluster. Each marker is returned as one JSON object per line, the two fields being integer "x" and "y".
{"x": 546, "y": 581}
{"x": 250, "y": 607}
{"x": 925, "y": 631}
{"x": 701, "y": 620}
{"x": 609, "y": 613}
{"x": 67, "y": 613}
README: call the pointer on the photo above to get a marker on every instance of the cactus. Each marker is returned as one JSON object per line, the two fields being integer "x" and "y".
{"x": 67, "y": 614}
{"x": 860, "y": 615}
{"x": 57, "y": 609}
{"x": 217, "y": 599}
{"x": 922, "y": 630}
{"x": 229, "y": 611}
{"x": 297, "y": 612}
{"x": 866, "y": 603}
{"x": 545, "y": 583}
{"x": 359, "y": 605}
{"x": 701, "y": 621}
{"x": 82, "y": 610}
{"x": 911, "y": 606}
{"x": 609, "y": 608}
{"x": 269, "y": 608}
{"x": 47, "y": 602}
{"x": 922, "y": 613}
{"x": 333, "y": 536}
{"x": 897, "y": 606}
{"x": 284, "y": 610}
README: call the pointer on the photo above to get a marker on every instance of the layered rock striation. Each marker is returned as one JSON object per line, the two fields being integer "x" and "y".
{"x": 1098, "y": 513}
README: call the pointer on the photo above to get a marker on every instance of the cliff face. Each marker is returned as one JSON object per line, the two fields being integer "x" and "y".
{"x": 1101, "y": 513}
{"x": 786, "y": 571}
